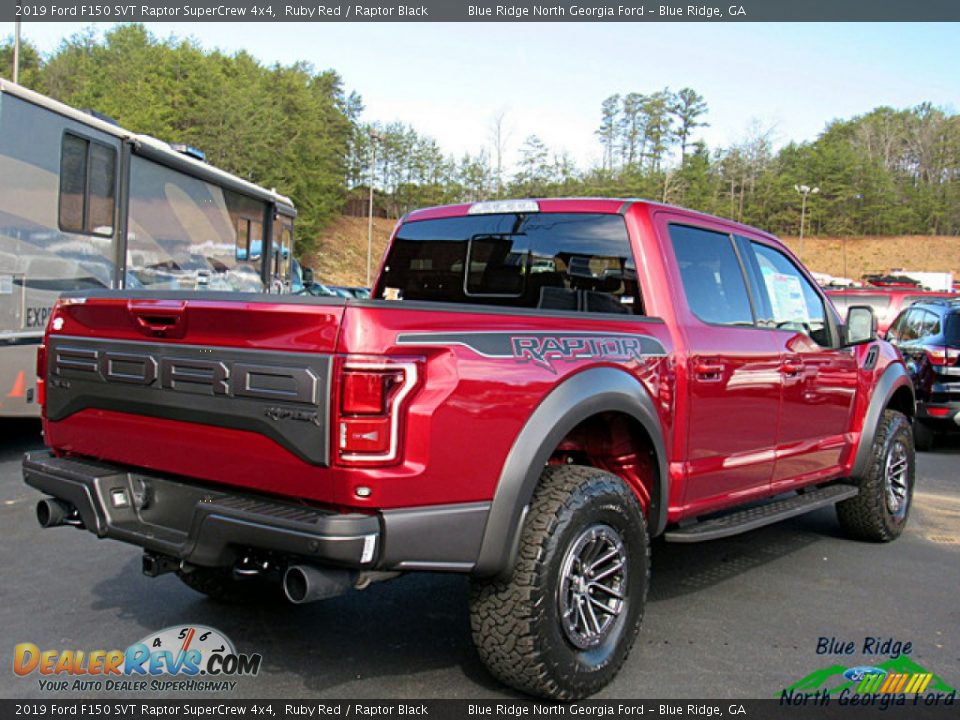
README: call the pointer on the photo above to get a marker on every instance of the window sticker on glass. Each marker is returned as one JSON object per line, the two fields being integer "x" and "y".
{"x": 786, "y": 295}
{"x": 6, "y": 284}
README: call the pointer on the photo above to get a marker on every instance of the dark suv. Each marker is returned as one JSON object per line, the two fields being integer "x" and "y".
{"x": 928, "y": 335}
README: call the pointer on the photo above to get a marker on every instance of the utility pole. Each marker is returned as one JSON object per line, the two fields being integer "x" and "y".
{"x": 374, "y": 139}
{"x": 804, "y": 191}
{"x": 16, "y": 52}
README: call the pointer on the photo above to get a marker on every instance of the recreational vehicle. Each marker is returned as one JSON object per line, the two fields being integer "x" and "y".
{"x": 87, "y": 204}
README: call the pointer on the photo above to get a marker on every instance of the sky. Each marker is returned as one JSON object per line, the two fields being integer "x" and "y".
{"x": 448, "y": 80}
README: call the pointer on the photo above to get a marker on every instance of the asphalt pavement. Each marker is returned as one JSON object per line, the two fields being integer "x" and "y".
{"x": 737, "y": 618}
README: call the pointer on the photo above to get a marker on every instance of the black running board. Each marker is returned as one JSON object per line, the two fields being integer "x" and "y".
{"x": 740, "y": 521}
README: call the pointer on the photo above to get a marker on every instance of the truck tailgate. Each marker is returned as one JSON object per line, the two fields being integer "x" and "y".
{"x": 200, "y": 385}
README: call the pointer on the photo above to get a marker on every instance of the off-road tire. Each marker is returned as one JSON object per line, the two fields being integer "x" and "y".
{"x": 868, "y": 516}
{"x": 219, "y": 584}
{"x": 516, "y": 621}
{"x": 923, "y": 436}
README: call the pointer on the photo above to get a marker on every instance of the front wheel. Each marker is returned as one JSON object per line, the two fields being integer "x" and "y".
{"x": 564, "y": 622}
{"x": 879, "y": 512}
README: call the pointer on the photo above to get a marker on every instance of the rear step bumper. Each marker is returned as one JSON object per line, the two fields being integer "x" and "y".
{"x": 757, "y": 516}
{"x": 199, "y": 524}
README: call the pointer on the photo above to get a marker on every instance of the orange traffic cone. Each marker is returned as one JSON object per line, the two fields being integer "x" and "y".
{"x": 19, "y": 386}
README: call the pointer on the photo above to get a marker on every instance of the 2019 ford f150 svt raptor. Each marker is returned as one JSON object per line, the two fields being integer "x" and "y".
{"x": 535, "y": 390}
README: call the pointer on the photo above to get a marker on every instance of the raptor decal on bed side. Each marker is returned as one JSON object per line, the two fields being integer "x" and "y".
{"x": 543, "y": 348}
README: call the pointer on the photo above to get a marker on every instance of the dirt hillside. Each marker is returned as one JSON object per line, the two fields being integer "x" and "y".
{"x": 341, "y": 254}
{"x": 926, "y": 253}
{"x": 340, "y": 257}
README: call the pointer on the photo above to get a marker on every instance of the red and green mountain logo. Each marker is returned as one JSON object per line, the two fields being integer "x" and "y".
{"x": 899, "y": 675}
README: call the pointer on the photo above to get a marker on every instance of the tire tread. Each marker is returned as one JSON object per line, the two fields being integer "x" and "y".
{"x": 864, "y": 516}
{"x": 505, "y": 613}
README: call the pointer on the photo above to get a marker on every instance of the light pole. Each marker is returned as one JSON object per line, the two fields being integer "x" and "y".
{"x": 374, "y": 139}
{"x": 804, "y": 191}
{"x": 16, "y": 52}
{"x": 843, "y": 242}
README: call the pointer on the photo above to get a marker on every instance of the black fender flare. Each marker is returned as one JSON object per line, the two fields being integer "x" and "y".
{"x": 583, "y": 395}
{"x": 890, "y": 381}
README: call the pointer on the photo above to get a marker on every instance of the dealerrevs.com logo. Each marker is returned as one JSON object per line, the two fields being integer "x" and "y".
{"x": 187, "y": 658}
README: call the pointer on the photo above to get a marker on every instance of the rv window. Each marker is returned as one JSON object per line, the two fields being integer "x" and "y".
{"x": 282, "y": 244}
{"x": 100, "y": 196}
{"x": 73, "y": 177}
{"x": 88, "y": 177}
{"x": 243, "y": 239}
{"x": 185, "y": 233}
{"x": 256, "y": 240}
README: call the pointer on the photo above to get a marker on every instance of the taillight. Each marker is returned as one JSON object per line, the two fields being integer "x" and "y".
{"x": 938, "y": 412}
{"x": 41, "y": 375}
{"x": 943, "y": 356}
{"x": 370, "y": 408}
{"x": 366, "y": 392}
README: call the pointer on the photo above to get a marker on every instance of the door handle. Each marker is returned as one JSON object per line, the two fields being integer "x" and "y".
{"x": 159, "y": 318}
{"x": 708, "y": 371}
{"x": 792, "y": 368}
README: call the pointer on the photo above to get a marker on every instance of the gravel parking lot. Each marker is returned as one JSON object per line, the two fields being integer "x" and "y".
{"x": 730, "y": 619}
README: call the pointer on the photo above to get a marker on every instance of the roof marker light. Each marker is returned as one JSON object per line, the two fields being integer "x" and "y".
{"x": 502, "y": 207}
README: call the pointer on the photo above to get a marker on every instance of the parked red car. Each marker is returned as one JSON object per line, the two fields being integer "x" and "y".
{"x": 887, "y": 302}
{"x": 537, "y": 389}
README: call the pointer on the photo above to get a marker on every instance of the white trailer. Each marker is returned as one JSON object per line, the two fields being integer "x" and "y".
{"x": 87, "y": 204}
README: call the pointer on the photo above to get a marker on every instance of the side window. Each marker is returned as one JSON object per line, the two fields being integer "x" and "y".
{"x": 88, "y": 179}
{"x": 100, "y": 191}
{"x": 712, "y": 276}
{"x": 795, "y": 303}
{"x": 912, "y": 325}
{"x": 73, "y": 181}
{"x": 897, "y": 327}
{"x": 286, "y": 242}
{"x": 931, "y": 325}
{"x": 243, "y": 239}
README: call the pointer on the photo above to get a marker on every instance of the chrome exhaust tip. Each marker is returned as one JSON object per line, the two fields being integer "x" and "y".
{"x": 53, "y": 513}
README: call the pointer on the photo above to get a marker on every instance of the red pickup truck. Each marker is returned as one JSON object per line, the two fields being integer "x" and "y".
{"x": 536, "y": 390}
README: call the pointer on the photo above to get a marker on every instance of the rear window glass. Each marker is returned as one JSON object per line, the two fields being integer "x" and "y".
{"x": 552, "y": 261}
{"x": 951, "y": 331}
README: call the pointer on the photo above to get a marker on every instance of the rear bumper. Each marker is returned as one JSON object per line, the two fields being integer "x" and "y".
{"x": 940, "y": 415}
{"x": 197, "y": 523}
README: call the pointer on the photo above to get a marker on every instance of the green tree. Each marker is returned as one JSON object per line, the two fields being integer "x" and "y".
{"x": 30, "y": 64}
{"x": 608, "y": 130}
{"x": 688, "y": 107}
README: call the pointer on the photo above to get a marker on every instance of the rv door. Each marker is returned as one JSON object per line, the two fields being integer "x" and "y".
{"x": 282, "y": 268}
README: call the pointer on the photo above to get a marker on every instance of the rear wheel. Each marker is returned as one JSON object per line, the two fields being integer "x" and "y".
{"x": 879, "y": 512}
{"x": 563, "y": 623}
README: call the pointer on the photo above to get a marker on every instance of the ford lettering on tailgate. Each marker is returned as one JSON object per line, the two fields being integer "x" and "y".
{"x": 279, "y": 395}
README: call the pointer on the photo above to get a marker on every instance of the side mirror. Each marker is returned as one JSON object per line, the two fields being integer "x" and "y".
{"x": 307, "y": 275}
{"x": 861, "y": 325}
